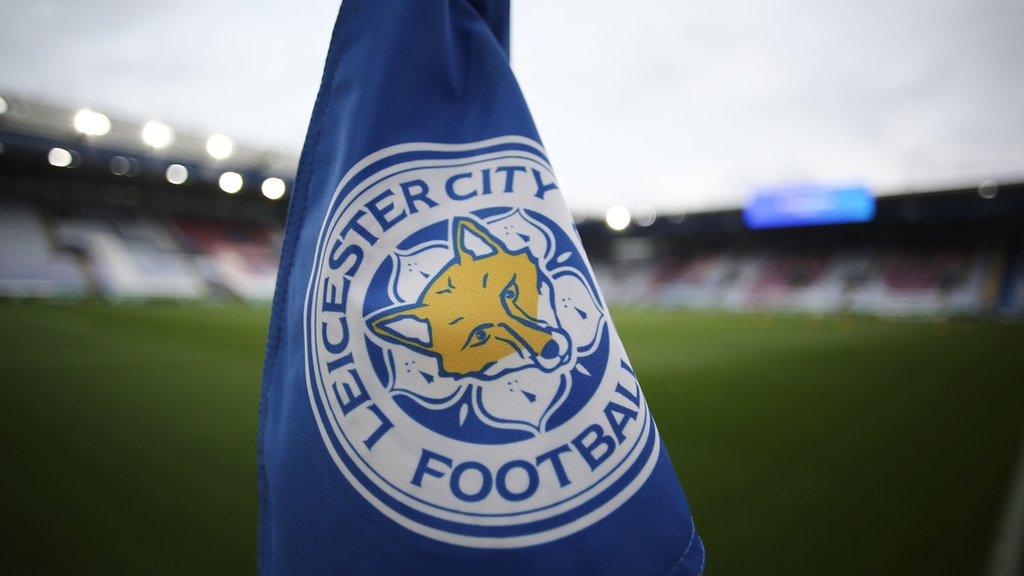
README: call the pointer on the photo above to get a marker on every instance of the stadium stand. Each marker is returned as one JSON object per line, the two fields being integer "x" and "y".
{"x": 30, "y": 265}
{"x": 139, "y": 254}
{"x": 131, "y": 257}
{"x": 1012, "y": 301}
{"x": 885, "y": 281}
{"x": 235, "y": 257}
{"x": 696, "y": 281}
{"x": 106, "y": 219}
{"x": 938, "y": 281}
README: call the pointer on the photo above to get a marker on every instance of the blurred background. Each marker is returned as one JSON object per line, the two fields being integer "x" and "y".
{"x": 809, "y": 218}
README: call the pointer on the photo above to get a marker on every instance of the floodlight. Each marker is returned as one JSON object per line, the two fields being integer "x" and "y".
{"x": 617, "y": 218}
{"x": 273, "y": 188}
{"x": 219, "y": 146}
{"x": 176, "y": 174}
{"x": 91, "y": 123}
{"x": 157, "y": 134}
{"x": 230, "y": 182}
{"x": 60, "y": 157}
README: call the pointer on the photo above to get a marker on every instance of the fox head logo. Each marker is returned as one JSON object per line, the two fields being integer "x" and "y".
{"x": 483, "y": 314}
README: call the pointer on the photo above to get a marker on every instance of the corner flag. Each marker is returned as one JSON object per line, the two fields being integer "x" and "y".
{"x": 444, "y": 390}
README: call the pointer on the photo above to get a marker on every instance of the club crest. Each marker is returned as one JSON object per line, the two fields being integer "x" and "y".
{"x": 486, "y": 313}
{"x": 462, "y": 367}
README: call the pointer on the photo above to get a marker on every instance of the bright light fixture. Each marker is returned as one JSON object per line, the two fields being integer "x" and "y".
{"x": 988, "y": 189}
{"x": 157, "y": 134}
{"x": 3, "y": 105}
{"x": 91, "y": 123}
{"x": 60, "y": 157}
{"x": 176, "y": 174}
{"x": 230, "y": 182}
{"x": 644, "y": 216}
{"x": 273, "y": 188}
{"x": 617, "y": 218}
{"x": 120, "y": 166}
{"x": 219, "y": 146}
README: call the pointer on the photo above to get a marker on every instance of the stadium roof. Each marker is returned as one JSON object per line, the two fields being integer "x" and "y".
{"x": 57, "y": 123}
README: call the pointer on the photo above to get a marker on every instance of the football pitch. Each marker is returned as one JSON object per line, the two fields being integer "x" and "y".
{"x": 827, "y": 446}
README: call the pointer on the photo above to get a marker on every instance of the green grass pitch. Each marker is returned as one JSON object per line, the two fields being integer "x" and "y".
{"x": 806, "y": 446}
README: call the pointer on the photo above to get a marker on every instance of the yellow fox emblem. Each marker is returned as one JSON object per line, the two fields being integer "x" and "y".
{"x": 479, "y": 316}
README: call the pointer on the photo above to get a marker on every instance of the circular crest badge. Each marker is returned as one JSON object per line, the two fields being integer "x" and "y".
{"x": 461, "y": 364}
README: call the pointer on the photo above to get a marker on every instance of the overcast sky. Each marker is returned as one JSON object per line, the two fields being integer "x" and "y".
{"x": 674, "y": 104}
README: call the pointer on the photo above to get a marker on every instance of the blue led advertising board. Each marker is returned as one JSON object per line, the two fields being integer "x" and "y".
{"x": 808, "y": 205}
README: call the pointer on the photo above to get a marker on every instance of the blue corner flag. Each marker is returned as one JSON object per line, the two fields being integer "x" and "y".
{"x": 444, "y": 391}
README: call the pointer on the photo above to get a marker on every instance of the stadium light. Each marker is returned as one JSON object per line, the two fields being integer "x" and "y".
{"x": 91, "y": 123}
{"x": 60, "y": 157}
{"x": 3, "y": 106}
{"x": 176, "y": 174}
{"x": 219, "y": 146}
{"x": 645, "y": 216}
{"x": 617, "y": 218}
{"x": 988, "y": 189}
{"x": 273, "y": 188}
{"x": 157, "y": 134}
{"x": 230, "y": 182}
{"x": 120, "y": 166}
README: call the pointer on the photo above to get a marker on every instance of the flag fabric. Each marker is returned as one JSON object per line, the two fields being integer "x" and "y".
{"x": 444, "y": 390}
